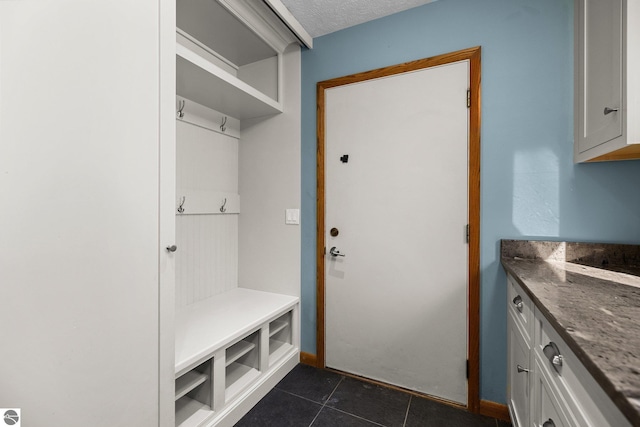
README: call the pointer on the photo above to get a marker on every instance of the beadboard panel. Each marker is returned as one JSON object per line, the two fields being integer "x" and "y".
{"x": 206, "y": 160}
{"x": 207, "y": 257}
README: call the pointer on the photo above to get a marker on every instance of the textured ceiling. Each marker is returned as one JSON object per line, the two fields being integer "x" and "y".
{"x": 320, "y": 17}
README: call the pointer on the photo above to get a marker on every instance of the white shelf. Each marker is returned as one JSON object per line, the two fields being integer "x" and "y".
{"x": 238, "y": 377}
{"x": 188, "y": 382}
{"x": 276, "y": 326}
{"x": 205, "y": 83}
{"x": 190, "y": 412}
{"x": 238, "y": 350}
{"x": 278, "y": 349}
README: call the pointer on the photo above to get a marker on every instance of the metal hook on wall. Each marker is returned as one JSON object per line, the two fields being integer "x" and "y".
{"x": 180, "y": 208}
{"x": 180, "y": 108}
{"x": 223, "y": 126}
{"x": 223, "y": 209}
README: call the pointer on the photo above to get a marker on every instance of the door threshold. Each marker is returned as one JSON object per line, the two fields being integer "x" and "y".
{"x": 400, "y": 389}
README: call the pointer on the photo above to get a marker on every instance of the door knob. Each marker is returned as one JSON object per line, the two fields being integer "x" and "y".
{"x": 608, "y": 110}
{"x": 172, "y": 248}
{"x": 335, "y": 252}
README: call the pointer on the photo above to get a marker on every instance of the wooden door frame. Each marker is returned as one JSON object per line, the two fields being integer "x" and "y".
{"x": 473, "y": 327}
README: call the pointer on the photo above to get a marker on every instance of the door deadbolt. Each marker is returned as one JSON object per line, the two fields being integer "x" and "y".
{"x": 334, "y": 232}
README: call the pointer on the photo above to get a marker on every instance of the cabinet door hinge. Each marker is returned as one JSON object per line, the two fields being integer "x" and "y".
{"x": 468, "y": 98}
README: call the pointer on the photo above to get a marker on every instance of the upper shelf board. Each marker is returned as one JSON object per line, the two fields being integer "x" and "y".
{"x": 205, "y": 83}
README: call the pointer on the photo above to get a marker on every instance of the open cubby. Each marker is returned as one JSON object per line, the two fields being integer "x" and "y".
{"x": 242, "y": 362}
{"x": 194, "y": 394}
{"x": 280, "y": 337}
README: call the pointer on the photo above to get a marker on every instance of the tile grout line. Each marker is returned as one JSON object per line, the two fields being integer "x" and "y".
{"x": 325, "y": 402}
{"x": 406, "y": 415}
{"x": 356, "y": 416}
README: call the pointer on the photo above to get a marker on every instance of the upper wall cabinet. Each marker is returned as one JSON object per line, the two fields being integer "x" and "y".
{"x": 229, "y": 54}
{"x": 607, "y": 80}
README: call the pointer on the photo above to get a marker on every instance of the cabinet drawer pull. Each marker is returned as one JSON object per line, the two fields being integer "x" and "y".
{"x": 608, "y": 110}
{"x": 552, "y": 353}
{"x": 521, "y": 369}
{"x": 517, "y": 301}
{"x": 549, "y": 423}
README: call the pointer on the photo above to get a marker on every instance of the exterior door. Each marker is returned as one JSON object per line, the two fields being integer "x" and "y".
{"x": 396, "y": 217}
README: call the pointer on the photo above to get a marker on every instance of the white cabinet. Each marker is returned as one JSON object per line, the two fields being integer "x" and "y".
{"x": 83, "y": 125}
{"x": 607, "y": 80}
{"x": 519, "y": 362}
{"x": 577, "y": 398}
{"x": 547, "y": 384}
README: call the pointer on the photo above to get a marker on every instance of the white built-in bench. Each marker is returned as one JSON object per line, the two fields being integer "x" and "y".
{"x": 231, "y": 349}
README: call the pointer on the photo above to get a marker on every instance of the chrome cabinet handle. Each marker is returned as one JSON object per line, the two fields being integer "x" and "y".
{"x": 521, "y": 369}
{"x": 549, "y": 423}
{"x": 557, "y": 360}
{"x": 172, "y": 248}
{"x": 517, "y": 301}
{"x": 608, "y": 110}
{"x": 335, "y": 252}
{"x": 552, "y": 353}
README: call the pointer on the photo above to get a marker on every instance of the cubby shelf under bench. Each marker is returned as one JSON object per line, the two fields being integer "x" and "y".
{"x": 231, "y": 349}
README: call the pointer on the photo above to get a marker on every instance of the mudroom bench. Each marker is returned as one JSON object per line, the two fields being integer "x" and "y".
{"x": 231, "y": 349}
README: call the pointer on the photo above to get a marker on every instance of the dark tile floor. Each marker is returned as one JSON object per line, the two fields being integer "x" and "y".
{"x": 311, "y": 397}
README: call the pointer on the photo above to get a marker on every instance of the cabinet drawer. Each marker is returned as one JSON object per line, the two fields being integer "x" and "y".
{"x": 587, "y": 403}
{"x": 521, "y": 306}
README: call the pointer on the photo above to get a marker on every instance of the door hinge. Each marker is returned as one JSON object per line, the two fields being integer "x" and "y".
{"x": 467, "y": 237}
{"x": 468, "y": 98}
{"x": 467, "y": 368}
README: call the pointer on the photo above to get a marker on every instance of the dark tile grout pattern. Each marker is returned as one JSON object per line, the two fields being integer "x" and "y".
{"x": 311, "y": 397}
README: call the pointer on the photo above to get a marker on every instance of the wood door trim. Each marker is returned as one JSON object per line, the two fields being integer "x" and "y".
{"x": 473, "y": 56}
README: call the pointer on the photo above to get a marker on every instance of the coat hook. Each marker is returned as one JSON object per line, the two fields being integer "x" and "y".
{"x": 223, "y": 126}
{"x": 223, "y": 209}
{"x": 180, "y": 208}
{"x": 180, "y": 108}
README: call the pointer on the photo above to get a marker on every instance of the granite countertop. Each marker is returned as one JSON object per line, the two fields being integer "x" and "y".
{"x": 590, "y": 293}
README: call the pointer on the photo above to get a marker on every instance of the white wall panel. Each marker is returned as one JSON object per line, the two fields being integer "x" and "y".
{"x": 206, "y": 160}
{"x": 269, "y": 184}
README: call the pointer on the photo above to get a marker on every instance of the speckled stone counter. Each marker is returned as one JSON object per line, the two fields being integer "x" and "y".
{"x": 590, "y": 293}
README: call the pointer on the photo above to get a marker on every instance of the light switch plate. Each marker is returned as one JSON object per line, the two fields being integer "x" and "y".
{"x": 292, "y": 216}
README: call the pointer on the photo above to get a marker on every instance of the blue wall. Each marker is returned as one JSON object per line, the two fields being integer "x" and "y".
{"x": 530, "y": 187}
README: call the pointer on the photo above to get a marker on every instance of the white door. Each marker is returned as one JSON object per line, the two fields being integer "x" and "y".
{"x": 396, "y": 302}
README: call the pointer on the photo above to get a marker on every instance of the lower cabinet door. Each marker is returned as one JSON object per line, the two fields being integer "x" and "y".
{"x": 518, "y": 376}
{"x": 548, "y": 404}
